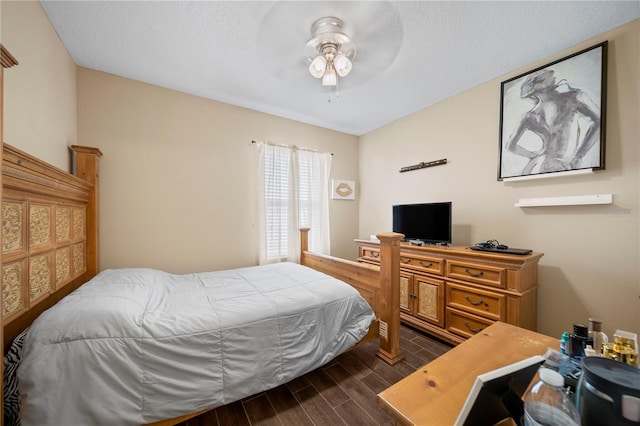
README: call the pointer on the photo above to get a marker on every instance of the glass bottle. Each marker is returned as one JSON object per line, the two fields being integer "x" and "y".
{"x": 595, "y": 333}
{"x": 546, "y": 402}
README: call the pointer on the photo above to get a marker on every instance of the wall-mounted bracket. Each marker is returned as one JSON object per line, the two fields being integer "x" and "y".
{"x": 422, "y": 165}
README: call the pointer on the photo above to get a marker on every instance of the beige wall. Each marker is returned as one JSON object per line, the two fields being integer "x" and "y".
{"x": 177, "y": 176}
{"x": 591, "y": 261}
{"x": 40, "y": 93}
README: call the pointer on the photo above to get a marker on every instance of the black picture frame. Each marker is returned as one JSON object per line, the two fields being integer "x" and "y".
{"x": 552, "y": 118}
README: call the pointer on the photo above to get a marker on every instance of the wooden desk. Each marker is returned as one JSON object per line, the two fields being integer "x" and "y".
{"x": 435, "y": 393}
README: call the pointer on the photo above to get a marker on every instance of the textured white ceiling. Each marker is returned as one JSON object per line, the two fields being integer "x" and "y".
{"x": 251, "y": 53}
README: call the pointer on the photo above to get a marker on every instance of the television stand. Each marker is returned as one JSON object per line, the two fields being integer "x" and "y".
{"x": 453, "y": 292}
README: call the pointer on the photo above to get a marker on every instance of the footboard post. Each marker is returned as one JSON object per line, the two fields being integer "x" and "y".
{"x": 390, "y": 297}
{"x": 304, "y": 243}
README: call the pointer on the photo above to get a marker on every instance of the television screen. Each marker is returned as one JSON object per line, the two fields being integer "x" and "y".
{"x": 428, "y": 222}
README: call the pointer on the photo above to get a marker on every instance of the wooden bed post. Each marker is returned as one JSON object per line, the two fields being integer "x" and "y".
{"x": 390, "y": 297}
{"x": 304, "y": 240}
{"x": 84, "y": 164}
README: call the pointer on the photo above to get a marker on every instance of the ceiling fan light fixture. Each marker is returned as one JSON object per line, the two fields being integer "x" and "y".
{"x": 329, "y": 78}
{"x": 318, "y": 66}
{"x": 342, "y": 65}
{"x": 331, "y": 51}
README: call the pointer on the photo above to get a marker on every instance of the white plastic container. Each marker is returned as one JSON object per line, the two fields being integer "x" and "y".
{"x": 546, "y": 403}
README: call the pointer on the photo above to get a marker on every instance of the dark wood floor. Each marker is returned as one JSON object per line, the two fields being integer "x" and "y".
{"x": 342, "y": 392}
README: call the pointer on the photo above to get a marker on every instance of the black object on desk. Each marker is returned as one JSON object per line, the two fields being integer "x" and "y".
{"x": 507, "y": 250}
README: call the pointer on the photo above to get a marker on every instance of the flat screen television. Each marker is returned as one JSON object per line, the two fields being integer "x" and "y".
{"x": 427, "y": 222}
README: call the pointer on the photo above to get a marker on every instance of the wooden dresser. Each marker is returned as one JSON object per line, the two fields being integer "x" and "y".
{"x": 455, "y": 292}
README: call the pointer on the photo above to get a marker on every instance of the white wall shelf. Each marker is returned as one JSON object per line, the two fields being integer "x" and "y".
{"x": 548, "y": 175}
{"x": 565, "y": 201}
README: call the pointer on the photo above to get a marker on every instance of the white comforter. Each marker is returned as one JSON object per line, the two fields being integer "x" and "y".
{"x": 133, "y": 346}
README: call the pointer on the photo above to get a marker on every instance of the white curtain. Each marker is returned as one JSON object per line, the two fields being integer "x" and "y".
{"x": 293, "y": 193}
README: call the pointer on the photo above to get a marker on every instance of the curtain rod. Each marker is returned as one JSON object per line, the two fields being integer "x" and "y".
{"x": 287, "y": 146}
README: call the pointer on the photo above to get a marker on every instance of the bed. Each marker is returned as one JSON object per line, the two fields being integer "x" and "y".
{"x": 51, "y": 270}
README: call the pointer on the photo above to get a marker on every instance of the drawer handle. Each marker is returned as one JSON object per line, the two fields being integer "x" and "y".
{"x": 426, "y": 265}
{"x": 471, "y": 329}
{"x": 375, "y": 254}
{"x": 479, "y": 302}
{"x": 405, "y": 261}
{"x": 478, "y": 274}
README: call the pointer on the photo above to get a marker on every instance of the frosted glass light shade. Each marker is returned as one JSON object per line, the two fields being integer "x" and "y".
{"x": 317, "y": 66}
{"x": 329, "y": 78}
{"x": 342, "y": 64}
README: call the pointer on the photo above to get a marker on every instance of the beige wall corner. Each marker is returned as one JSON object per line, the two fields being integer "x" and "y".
{"x": 590, "y": 266}
{"x": 40, "y": 95}
{"x": 177, "y": 175}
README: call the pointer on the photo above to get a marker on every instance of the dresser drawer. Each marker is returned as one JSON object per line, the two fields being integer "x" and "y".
{"x": 422, "y": 263}
{"x": 480, "y": 302}
{"x": 369, "y": 254}
{"x": 464, "y": 324}
{"x": 481, "y": 274}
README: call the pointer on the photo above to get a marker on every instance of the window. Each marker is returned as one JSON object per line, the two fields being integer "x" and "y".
{"x": 293, "y": 193}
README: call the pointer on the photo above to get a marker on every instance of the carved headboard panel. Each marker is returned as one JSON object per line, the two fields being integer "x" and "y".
{"x": 49, "y": 233}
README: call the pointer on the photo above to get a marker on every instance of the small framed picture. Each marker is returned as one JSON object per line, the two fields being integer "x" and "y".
{"x": 343, "y": 189}
{"x": 552, "y": 119}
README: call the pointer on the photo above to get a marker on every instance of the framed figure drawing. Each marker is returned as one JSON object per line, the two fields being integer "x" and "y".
{"x": 552, "y": 119}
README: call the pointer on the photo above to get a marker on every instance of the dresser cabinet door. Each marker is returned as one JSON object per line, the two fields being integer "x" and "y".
{"x": 429, "y": 299}
{"x": 406, "y": 293}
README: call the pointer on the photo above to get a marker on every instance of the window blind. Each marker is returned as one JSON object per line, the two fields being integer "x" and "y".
{"x": 294, "y": 188}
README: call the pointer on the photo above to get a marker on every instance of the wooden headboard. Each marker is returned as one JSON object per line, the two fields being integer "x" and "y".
{"x": 49, "y": 232}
